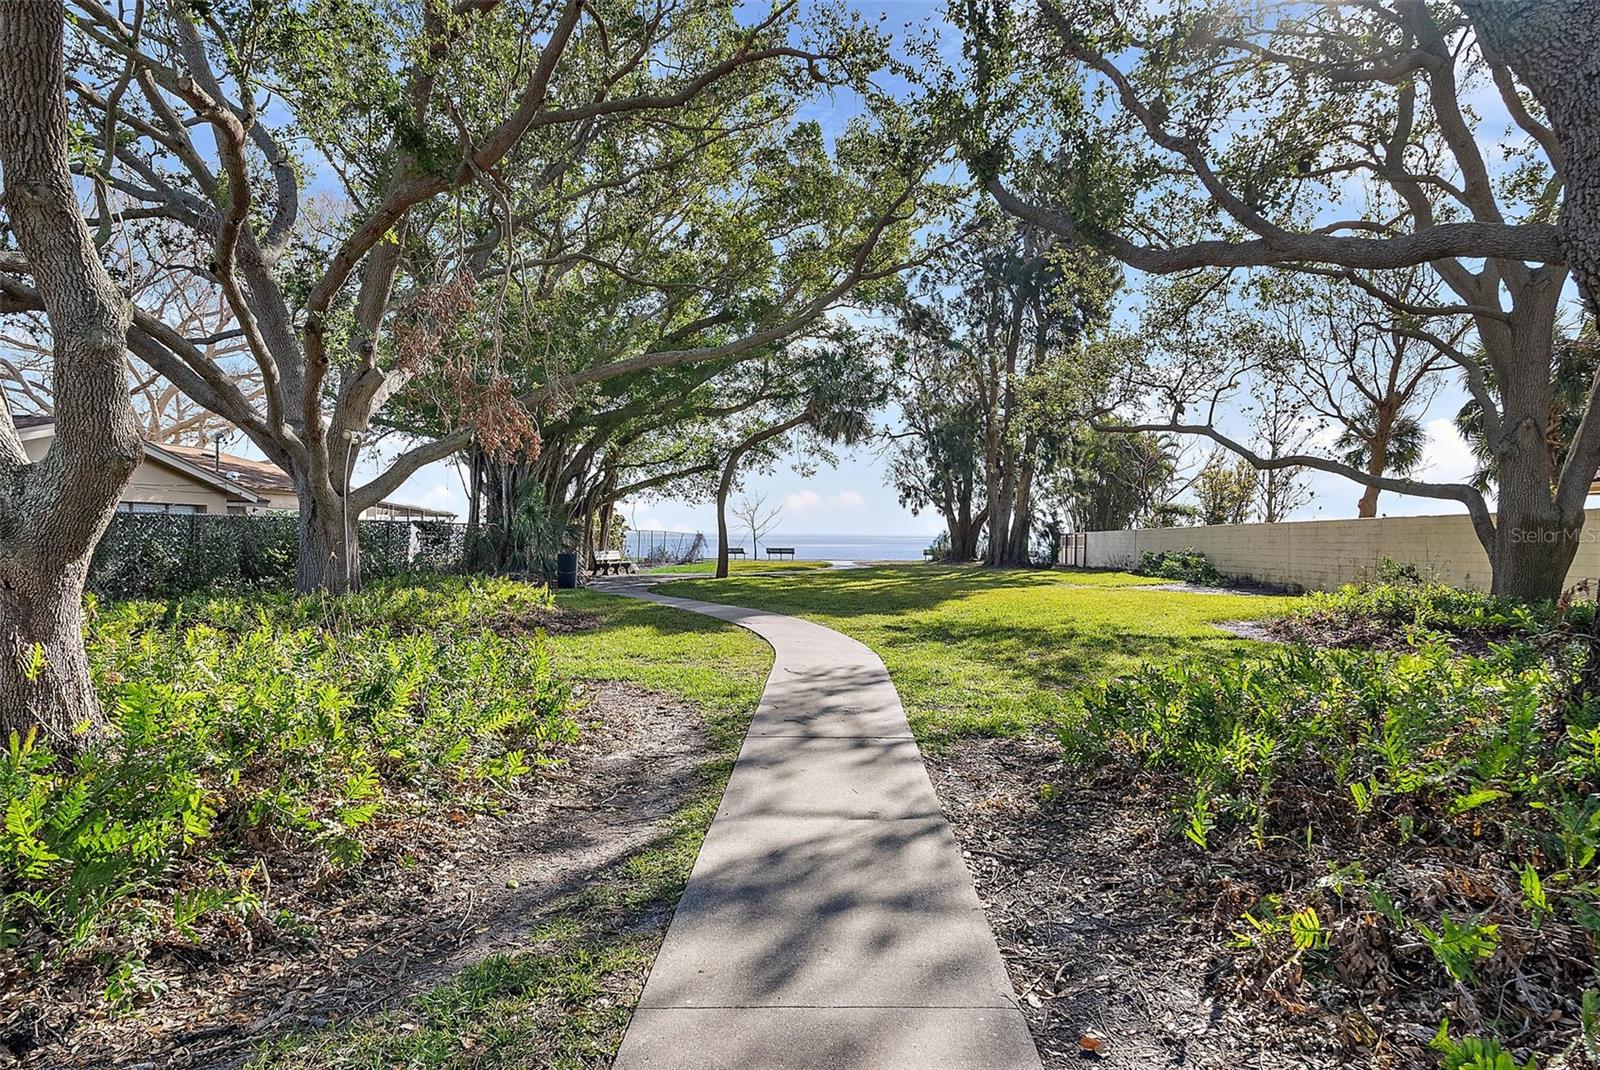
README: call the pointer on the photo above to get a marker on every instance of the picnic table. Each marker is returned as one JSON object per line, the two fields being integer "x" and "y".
{"x": 780, "y": 551}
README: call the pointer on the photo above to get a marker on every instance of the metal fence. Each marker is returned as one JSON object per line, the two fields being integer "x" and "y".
{"x": 646, "y": 547}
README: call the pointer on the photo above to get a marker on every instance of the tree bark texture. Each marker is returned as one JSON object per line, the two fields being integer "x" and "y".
{"x": 1553, "y": 46}
{"x": 53, "y": 512}
{"x": 1377, "y": 460}
{"x": 329, "y": 558}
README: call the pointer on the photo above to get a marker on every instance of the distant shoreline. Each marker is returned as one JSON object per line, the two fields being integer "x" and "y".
{"x": 841, "y": 547}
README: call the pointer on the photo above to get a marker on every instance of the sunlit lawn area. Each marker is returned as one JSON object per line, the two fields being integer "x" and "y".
{"x": 981, "y": 652}
{"x": 706, "y": 568}
{"x": 717, "y": 666}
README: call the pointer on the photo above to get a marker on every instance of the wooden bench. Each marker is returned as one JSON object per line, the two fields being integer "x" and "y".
{"x": 736, "y": 551}
{"x": 780, "y": 551}
{"x": 928, "y": 555}
{"x": 609, "y": 561}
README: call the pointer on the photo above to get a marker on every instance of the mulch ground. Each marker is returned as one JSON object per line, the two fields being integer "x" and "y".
{"x": 439, "y": 894}
{"x": 1115, "y": 939}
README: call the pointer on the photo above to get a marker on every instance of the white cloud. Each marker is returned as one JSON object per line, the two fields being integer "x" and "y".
{"x": 1447, "y": 455}
{"x": 806, "y": 501}
{"x": 846, "y": 499}
{"x": 802, "y": 501}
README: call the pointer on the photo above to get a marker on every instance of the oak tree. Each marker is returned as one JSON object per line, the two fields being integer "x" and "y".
{"x": 1336, "y": 138}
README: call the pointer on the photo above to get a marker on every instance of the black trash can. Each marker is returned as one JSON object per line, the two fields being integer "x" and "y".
{"x": 567, "y": 570}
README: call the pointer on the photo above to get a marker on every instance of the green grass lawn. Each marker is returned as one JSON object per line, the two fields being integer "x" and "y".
{"x": 719, "y": 667}
{"x": 981, "y": 652}
{"x": 706, "y": 568}
{"x": 564, "y": 1002}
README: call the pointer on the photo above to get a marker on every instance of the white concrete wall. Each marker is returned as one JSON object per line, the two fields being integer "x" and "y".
{"x": 1322, "y": 554}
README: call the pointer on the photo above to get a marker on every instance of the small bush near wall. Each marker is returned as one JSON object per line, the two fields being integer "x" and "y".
{"x": 158, "y": 555}
{"x": 1187, "y": 566}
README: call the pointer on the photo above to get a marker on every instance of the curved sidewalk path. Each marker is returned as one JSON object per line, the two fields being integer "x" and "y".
{"x": 829, "y": 921}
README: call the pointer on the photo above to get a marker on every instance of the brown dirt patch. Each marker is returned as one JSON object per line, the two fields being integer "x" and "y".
{"x": 557, "y": 621}
{"x": 1107, "y": 930}
{"x": 440, "y": 894}
{"x": 1261, "y": 631}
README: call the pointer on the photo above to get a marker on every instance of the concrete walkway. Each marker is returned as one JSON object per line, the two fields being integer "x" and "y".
{"x": 829, "y": 921}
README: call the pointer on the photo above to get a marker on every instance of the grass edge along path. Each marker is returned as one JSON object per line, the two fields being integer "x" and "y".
{"x": 987, "y": 652}
{"x": 564, "y": 1002}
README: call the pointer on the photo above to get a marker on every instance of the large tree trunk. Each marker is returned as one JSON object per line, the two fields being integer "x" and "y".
{"x": 329, "y": 550}
{"x": 998, "y": 493}
{"x": 962, "y": 527}
{"x": 1535, "y": 536}
{"x": 54, "y": 511}
{"x": 44, "y": 671}
{"x": 608, "y": 509}
{"x": 1534, "y": 540}
{"x": 1553, "y": 46}
{"x": 1021, "y": 519}
{"x": 1008, "y": 520}
{"x": 1531, "y": 555}
{"x": 722, "y": 530}
{"x": 974, "y": 537}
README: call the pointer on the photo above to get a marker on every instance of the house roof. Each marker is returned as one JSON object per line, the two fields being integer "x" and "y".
{"x": 169, "y": 456}
{"x": 240, "y": 477}
{"x": 31, "y": 428}
{"x": 264, "y": 477}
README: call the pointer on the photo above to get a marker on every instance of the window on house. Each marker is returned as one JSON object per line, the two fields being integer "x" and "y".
{"x": 157, "y": 507}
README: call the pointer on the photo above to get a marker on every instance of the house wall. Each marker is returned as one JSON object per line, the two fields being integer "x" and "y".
{"x": 287, "y": 501}
{"x": 1323, "y": 554}
{"x": 153, "y": 482}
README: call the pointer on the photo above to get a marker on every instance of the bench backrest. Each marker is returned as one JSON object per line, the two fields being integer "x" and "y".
{"x": 608, "y": 555}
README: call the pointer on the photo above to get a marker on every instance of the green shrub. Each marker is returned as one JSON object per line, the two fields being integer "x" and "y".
{"x": 1361, "y": 613}
{"x": 1392, "y": 571}
{"x": 266, "y": 728}
{"x": 1187, "y": 566}
{"x": 1441, "y": 808}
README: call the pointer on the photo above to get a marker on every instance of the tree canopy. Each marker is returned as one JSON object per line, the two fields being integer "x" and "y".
{"x": 1336, "y": 140}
